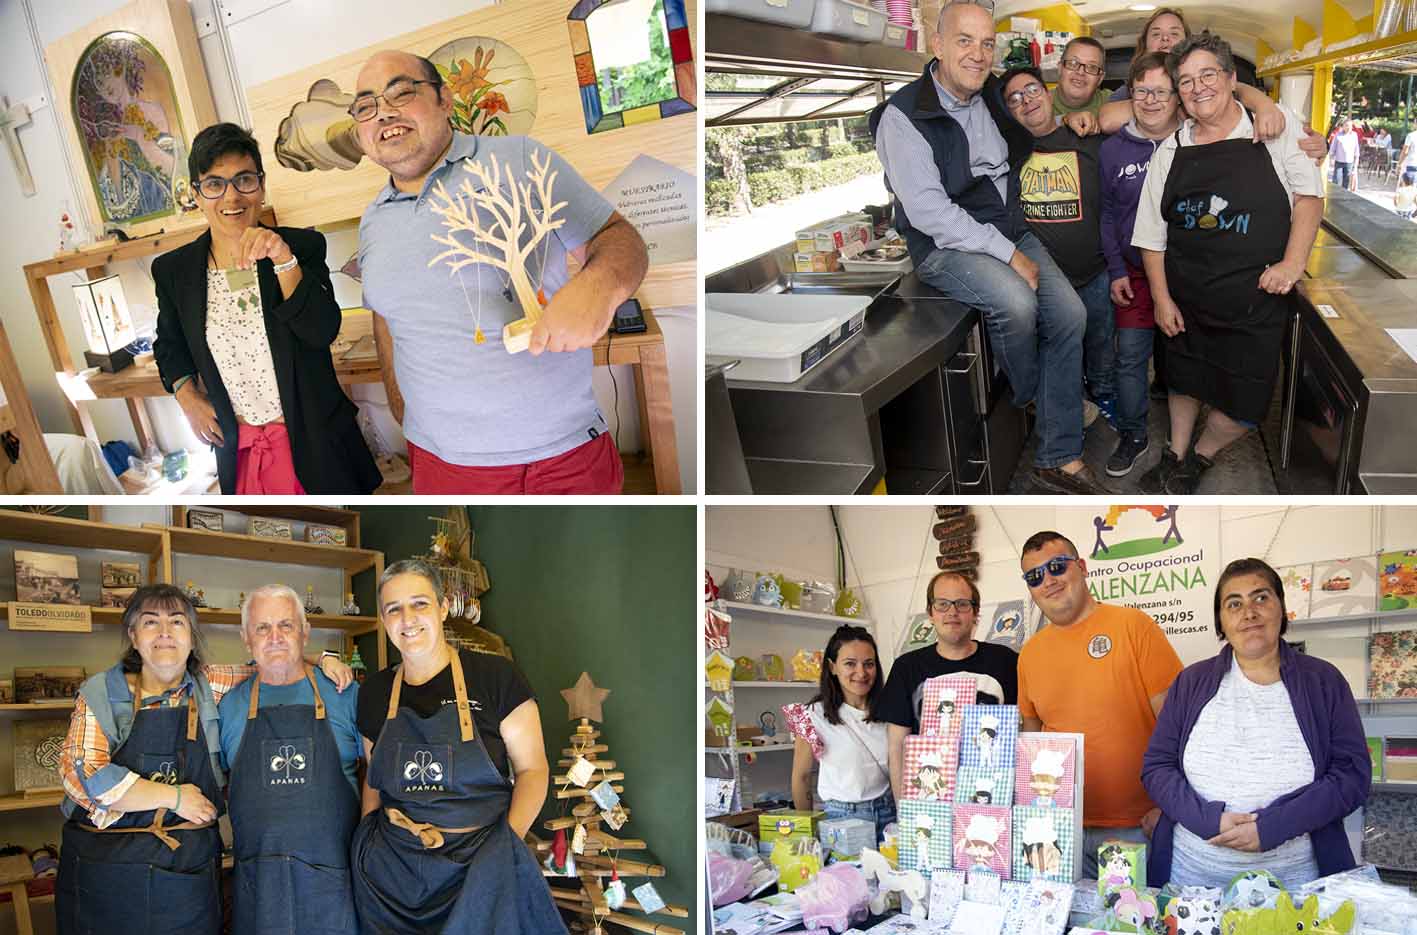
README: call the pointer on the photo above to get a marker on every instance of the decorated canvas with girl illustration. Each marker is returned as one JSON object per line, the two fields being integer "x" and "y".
{"x": 1045, "y": 770}
{"x": 982, "y": 839}
{"x": 924, "y": 835}
{"x": 1120, "y": 865}
{"x": 942, "y": 702}
{"x": 984, "y": 787}
{"x": 1043, "y": 843}
{"x": 988, "y": 734}
{"x": 930, "y": 766}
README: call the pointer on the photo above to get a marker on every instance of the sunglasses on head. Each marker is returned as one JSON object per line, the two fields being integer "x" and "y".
{"x": 1055, "y": 566}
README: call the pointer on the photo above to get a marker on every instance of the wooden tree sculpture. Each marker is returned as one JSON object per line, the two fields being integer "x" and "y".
{"x": 595, "y": 902}
{"x": 519, "y": 207}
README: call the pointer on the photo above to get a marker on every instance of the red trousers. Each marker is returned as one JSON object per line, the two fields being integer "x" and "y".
{"x": 264, "y": 464}
{"x": 592, "y": 468}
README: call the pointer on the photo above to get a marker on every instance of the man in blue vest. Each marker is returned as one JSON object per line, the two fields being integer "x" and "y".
{"x": 952, "y": 154}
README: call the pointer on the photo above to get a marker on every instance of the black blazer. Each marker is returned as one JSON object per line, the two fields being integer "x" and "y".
{"x": 328, "y": 450}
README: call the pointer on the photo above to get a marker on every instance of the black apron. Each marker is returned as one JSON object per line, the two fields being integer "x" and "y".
{"x": 1228, "y": 356}
{"x": 293, "y": 812}
{"x": 151, "y": 872}
{"x": 439, "y": 855}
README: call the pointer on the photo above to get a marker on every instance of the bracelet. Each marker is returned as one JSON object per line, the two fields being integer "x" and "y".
{"x": 178, "y": 806}
{"x": 179, "y": 382}
{"x": 288, "y": 265}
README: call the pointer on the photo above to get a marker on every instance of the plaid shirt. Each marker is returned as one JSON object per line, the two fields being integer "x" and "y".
{"x": 88, "y": 745}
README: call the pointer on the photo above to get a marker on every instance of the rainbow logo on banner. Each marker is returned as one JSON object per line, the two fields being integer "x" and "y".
{"x": 1169, "y": 537}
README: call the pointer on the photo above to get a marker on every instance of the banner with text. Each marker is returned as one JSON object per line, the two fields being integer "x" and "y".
{"x": 1164, "y": 560}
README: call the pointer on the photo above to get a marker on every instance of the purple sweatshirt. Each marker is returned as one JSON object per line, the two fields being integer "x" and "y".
{"x": 1122, "y": 165}
{"x": 1328, "y": 719}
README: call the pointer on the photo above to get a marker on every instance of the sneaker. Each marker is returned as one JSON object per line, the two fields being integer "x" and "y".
{"x": 1154, "y": 480}
{"x": 1129, "y": 449}
{"x": 1090, "y": 412}
{"x": 1187, "y": 475}
{"x": 1057, "y": 480}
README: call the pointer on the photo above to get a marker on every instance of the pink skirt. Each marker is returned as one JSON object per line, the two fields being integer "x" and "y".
{"x": 264, "y": 464}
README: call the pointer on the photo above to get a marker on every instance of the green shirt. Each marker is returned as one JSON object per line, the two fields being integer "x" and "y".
{"x": 1100, "y": 97}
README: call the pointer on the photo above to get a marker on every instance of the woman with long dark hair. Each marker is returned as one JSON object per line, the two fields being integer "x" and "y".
{"x": 853, "y": 776}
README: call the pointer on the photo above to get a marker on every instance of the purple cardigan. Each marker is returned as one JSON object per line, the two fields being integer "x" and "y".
{"x": 1328, "y": 719}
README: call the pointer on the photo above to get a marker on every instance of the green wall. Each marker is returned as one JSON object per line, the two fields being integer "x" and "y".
{"x": 612, "y": 591}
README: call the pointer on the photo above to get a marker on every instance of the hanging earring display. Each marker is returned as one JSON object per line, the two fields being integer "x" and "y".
{"x": 578, "y": 840}
{"x": 615, "y": 890}
{"x": 521, "y": 206}
{"x": 581, "y": 771}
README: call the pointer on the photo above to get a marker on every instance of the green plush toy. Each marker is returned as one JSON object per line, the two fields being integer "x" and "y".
{"x": 791, "y": 592}
{"x": 1285, "y": 919}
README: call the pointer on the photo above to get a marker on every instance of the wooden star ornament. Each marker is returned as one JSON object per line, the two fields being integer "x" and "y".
{"x": 584, "y": 699}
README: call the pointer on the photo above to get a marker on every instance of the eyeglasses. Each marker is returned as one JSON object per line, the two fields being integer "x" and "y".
{"x": 397, "y": 94}
{"x": 1031, "y": 91}
{"x": 214, "y": 186}
{"x": 1160, "y": 95}
{"x": 1210, "y": 77}
{"x": 941, "y": 604}
{"x": 1056, "y": 566}
{"x": 1073, "y": 64}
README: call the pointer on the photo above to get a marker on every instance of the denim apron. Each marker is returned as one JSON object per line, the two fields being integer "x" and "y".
{"x": 151, "y": 872}
{"x": 292, "y": 815}
{"x": 439, "y": 856}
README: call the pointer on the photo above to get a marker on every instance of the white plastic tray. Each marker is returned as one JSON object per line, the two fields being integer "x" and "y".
{"x": 778, "y": 337}
{"x": 796, "y": 13}
{"x": 848, "y": 20}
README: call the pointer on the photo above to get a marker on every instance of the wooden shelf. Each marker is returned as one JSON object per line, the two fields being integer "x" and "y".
{"x": 805, "y": 686}
{"x": 797, "y": 616}
{"x": 78, "y": 533}
{"x": 258, "y": 549}
{"x": 16, "y": 802}
{"x": 232, "y": 617}
{"x": 50, "y": 706}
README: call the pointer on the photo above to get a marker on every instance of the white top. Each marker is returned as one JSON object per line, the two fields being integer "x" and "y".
{"x": 1345, "y": 147}
{"x": 236, "y": 336}
{"x": 1246, "y": 750}
{"x": 1296, "y": 171}
{"x": 1405, "y": 197}
{"x": 855, "y": 763}
{"x": 1411, "y": 146}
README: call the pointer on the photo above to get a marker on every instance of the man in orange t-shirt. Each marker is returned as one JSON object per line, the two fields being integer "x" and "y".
{"x": 1098, "y": 670}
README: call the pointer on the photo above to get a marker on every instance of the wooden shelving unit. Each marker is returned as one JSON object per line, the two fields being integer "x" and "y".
{"x": 49, "y": 707}
{"x": 17, "y": 802}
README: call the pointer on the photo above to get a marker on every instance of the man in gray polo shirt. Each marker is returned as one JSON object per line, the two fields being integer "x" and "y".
{"x": 477, "y": 419}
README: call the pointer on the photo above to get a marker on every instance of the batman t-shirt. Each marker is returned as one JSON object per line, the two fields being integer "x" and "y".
{"x": 1061, "y": 195}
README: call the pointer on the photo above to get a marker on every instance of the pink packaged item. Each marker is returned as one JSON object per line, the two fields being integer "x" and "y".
{"x": 799, "y": 724}
{"x": 729, "y": 879}
{"x": 930, "y": 766}
{"x": 1044, "y": 770}
{"x": 836, "y": 899}
{"x": 941, "y": 705}
{"x": 982, "y": 839}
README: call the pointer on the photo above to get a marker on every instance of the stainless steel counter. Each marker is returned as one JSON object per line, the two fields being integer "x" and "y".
{"x": 1382, "y": 236}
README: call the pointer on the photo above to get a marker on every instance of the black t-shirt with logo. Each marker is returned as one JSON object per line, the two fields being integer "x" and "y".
{"x": 495, "y": 688}
{"x": 1062, "y": 201}
{"x": 995, "y": 668}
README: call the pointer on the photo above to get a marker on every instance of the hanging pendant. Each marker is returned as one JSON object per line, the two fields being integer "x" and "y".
{"x": 507, "y": 292}
{"x": 478, "y": 337}
{"x": 541, "y": 297}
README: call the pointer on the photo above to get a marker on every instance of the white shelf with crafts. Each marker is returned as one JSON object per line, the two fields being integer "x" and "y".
{"x": 154, "y": 547}
{"x": 756, "y": 630}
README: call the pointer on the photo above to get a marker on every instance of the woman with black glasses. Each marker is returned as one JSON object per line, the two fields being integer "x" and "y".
{"x": 246, "y": 316}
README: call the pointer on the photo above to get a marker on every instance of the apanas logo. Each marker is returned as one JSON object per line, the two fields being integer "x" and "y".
{"x": 1209, "y": 214}
{"x": 165, "y": 773}
{"x": 1141, "y": 545}
{"x": 424, "y": 773}
{"x": 287, "y": 758}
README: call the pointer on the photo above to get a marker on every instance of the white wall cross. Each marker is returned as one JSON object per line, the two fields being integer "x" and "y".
{"x": 12, "y": 117}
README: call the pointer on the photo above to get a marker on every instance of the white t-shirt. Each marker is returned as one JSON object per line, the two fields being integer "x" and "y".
{"x": 1411, "y": 146}
{"x": 855, "y": 764}
{"x": 1246, "y": 750}
{"x": 1296, "y": 171}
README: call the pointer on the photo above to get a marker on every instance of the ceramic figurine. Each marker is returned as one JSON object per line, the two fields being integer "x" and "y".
{"x": 766, "y": 592}
{"x": 847, "y": 604}
{"x": 744, "y": 669}
{"x": 350, "y": 609}
{"x": 772, "y": 668}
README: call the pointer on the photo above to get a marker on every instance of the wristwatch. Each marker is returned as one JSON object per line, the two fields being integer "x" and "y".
{"x": 332, "y": 654}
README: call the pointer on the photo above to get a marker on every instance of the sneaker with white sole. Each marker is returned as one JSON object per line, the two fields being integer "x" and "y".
{"x": 1129, "y": 450}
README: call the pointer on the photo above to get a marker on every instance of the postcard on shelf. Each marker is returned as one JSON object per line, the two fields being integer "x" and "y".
{"x": 118, "y": 581}
{"x": 326, "y": 535}
{"x": 210, "y": 520}
{"x": 46, "y": 578}
{"x": 52, "y": 683}
{"x": 1345, "y": 587}
{"x": 1298, "y": 581}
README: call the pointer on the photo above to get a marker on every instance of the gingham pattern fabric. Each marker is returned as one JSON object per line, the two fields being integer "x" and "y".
{"x": 986, "y": 828}
{"x": 1053, "y": 748}
{"x": 936, "y": 822}
{"x": 998, "y": 783}
{"x": 1003, "y": 718}
{"x": 959, "y": 690}
{"x": 930, "y": 766}
{"x": 86, "y": 743}
{"x": 1032, "y": 847}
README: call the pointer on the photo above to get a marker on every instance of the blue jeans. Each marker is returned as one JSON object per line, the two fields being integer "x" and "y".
{"x": 1342, "y": 173}
{"x": 1037, "y": 336}
{"x": 881, "y": 810}
{"x": 1099, "y": 357}
{"x": 1133, "y": 353}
